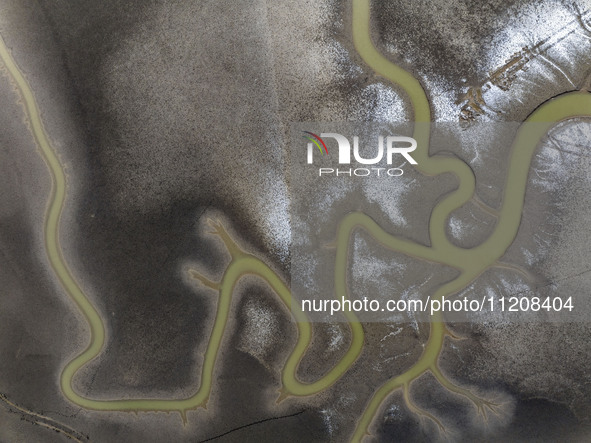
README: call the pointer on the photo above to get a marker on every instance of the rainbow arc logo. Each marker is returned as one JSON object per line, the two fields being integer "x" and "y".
{"x": 315, "y": 140}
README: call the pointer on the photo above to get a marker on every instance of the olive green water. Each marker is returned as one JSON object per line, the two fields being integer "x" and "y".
{"x": 470, "y": 262}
